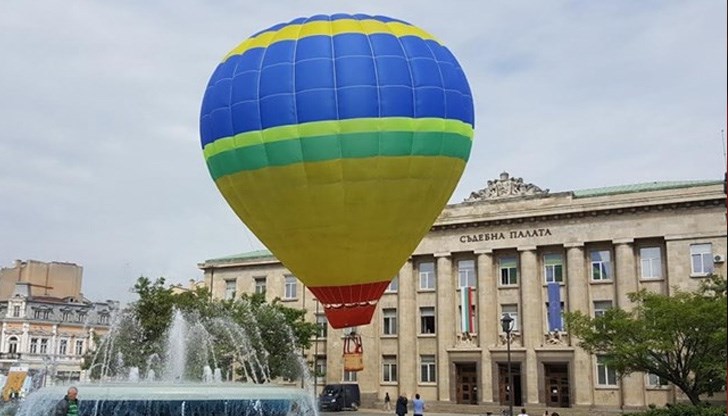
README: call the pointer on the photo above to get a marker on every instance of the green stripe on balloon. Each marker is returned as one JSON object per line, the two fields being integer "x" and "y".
{"x": 330, "y": 127}
{"x": 339, "y": 146}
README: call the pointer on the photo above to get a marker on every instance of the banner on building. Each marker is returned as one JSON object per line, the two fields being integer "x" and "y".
{"x": 554, "y": 311}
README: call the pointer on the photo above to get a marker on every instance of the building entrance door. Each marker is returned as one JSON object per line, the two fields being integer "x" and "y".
{"x": 557, "y": 385}
{"x": 503, "y": 387}
{"x": 466, "y": 388}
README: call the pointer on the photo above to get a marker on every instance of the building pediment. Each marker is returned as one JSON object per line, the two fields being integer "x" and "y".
{"x": 505, "y": 187}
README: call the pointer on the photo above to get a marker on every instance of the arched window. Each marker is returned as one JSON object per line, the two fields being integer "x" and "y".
{"x": 13, "y": 345}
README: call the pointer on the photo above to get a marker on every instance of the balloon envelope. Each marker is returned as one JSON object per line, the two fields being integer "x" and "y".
{"x": 338, "y": 140}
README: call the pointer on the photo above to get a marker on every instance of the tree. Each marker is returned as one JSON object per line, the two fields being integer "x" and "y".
{"x": 680, "y": 338}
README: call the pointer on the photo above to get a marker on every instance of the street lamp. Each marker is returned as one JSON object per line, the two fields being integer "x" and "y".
{"x": 507, "y": 326}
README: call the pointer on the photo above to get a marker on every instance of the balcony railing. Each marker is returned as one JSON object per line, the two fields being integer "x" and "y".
{"x": 14, "y": 356}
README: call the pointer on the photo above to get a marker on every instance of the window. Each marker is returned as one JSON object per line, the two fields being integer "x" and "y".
{"x": 323, "y": 326}
{"x": 321, "y": 365}
{"x": 66, "y": 316}
{"x": 702, "y": 258}
{"x": 34, "y": 345}
{"x": 230, "y": 289}
{"x": 553, "y": 268}
{"x": 104, "y": 318}
{"x": 16, "y": 311}
{"x": 650, "y": 263}
{"x": 79, "y": 347}
{"x": 81, "y": 317}
{"x": 41, "y": 314}
{"x": 63, "y": 347}
{"x": 349, "y": 375}
{"x": 512, "y": 311}
{"x": 601, "y": 306}
{"x": 427, "y": 320}
{"x": 44, "y": 345}
{"x": 390, "y": 321}
{"x": 605, "y": 376}
{"x": 466, "y": 273}
{"x": 655, "y": 381}
{"x": 508, "y": 270}
{"x": 389, "y": 368}
{"x": 428, "y": 370}
{"x": 290, "y": 288}
{"x": 427, "y": 275}
{"x": 260, "y": 285}
{"x": 393, "y": 285}
{"x": 601, "y": 265}
{"x": 13, "y": 345}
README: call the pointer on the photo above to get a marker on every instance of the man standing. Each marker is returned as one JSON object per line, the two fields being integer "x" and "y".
{"x": 418, "y": 406}
{"x": 68, "y": 406}
{"x": 387, "y": 400}
{"x": 401, "y": 406}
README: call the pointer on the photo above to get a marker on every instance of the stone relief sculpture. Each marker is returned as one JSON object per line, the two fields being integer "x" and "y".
{"x": 505, "y": 187}
{"x": 555, "y": 338}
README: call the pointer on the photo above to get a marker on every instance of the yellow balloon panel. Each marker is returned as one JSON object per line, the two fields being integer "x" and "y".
{"x": 344, "y": 221}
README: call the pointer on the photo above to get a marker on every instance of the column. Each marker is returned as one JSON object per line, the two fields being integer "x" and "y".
{"x": 407, "y": 327}
{"x": 487, "y": 321}
{"x": 445, "y": 318}
{"x": 532, "y": 307}
{"x": 578, "y": 300}
{"x": 625, "y": 280}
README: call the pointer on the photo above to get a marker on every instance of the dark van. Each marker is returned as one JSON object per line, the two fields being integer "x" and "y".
{"x": 337, "y": 397}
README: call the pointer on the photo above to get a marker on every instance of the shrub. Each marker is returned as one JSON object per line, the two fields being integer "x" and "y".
{"x": 683, "y": 410}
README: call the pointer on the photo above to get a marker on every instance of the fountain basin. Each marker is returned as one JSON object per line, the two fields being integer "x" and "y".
{"x": 156, "y": 399}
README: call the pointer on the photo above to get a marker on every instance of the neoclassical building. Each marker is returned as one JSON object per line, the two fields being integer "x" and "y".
{"x": 514, "y": 248}
{"x": 47, "y": 323}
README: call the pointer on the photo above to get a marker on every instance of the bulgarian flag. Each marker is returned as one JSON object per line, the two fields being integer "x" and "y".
{"x": 466, "y": 310}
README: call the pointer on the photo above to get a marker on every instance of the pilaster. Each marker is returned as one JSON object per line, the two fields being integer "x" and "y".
{"x": 578, "y": 300}
{"x": 625, "y": 279}
{"x": 487, "y": 326}
{"x": 531, "y": 328}
{"x": 407, "y": 327}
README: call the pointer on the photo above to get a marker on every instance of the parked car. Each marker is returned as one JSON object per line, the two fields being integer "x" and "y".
{"x": 337, "y": 397}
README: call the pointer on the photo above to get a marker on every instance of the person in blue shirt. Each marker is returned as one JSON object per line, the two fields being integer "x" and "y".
{"x": 418, "y": 406}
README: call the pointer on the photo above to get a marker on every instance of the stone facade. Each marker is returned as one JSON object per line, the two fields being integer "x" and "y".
{"x": 47, "y": 324}
{"x": 509, "y": 241}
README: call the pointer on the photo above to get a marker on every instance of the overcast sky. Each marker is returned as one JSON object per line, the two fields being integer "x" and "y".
{"x": 100, "y": 162}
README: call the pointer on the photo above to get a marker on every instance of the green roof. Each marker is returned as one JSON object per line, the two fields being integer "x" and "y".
{"x": 242, "y": 256}
{"x": 642, "y": 187}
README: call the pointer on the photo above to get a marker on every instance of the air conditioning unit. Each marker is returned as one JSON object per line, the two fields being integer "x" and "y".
{"x": 718, "y": 258}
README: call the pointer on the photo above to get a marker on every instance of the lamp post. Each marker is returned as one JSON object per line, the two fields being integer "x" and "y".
{"x": 315, "y": 353}
{"x": 507, "y": 326}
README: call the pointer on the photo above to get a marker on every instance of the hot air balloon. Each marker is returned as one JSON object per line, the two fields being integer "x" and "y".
{"x": 337, "y": 140}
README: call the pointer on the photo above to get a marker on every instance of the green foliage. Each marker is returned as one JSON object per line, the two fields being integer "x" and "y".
{"x": 680, "y": 338}
{"x": 275, "y": 333}
{"x": 683, "y": 410}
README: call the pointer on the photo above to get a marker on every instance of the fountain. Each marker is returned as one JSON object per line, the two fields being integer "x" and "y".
{"x": 112, "y": 399}
{"x": 190, "y": 380}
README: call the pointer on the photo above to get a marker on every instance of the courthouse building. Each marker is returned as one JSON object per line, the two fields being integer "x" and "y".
{"x": 521, "y": 249}
{"x": 47, "y": 323}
